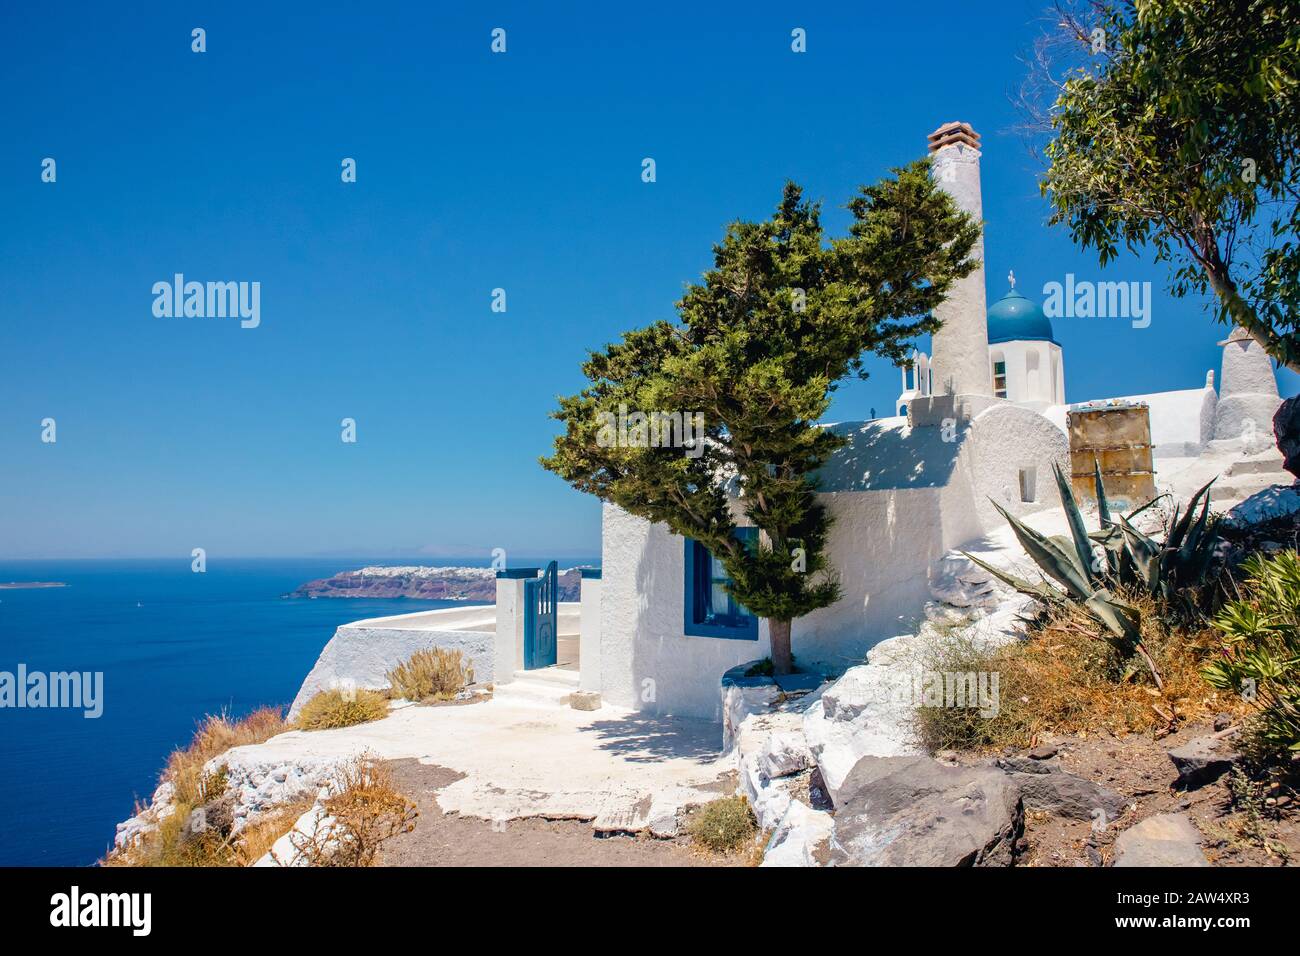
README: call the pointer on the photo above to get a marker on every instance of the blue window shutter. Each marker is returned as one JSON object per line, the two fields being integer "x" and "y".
{"x": 699, "y": 619}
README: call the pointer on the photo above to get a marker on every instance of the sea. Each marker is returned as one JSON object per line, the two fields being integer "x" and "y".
{"x": 173, "y": 646}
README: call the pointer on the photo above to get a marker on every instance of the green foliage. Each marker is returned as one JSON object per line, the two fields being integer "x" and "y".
{"x": 724, "y": 825}
{"x": 435, "y": 674}
{"x": 1172, "y": 571}
{"x": 1261, "y": 652}
{"x": 337, "y": 708}
{"x": 763, "y": 339}
{"x": 1182, "y": 135}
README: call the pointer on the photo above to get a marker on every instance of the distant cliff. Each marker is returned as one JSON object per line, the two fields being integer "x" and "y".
{"x": 436, "y": 584}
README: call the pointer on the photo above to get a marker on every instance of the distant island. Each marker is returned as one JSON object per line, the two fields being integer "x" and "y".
{"x": 20, "y": 585}
{"x": 435, "y": 584}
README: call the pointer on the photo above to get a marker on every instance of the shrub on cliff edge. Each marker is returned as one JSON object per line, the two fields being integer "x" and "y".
{"x": 434, "y": 674}
{"x": 338, "y": 708}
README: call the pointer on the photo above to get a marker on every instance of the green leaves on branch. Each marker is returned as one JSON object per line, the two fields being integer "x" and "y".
{"x": 1182, "y": 136}
{"x": 1261, "y": 651}
{"x": 781, "y": 318}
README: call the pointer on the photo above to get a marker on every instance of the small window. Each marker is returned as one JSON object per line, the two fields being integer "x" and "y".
{"x": 1028, "y": 484}
{"x": 1000, "y": 379}
{"x": 710, "y": 610}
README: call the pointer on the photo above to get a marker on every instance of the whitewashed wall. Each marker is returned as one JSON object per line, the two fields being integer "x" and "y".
{"x": 900, "y": 499}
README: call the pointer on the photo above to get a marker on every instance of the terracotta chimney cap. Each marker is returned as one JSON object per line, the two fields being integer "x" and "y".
{"x": 954, "y": 133}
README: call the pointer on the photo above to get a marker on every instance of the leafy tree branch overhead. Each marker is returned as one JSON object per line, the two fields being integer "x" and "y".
{"x": 1173, "y": 128}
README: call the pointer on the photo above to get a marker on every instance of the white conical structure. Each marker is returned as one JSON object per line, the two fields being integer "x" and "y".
{"x": 1248, "y": 395}
{"x": 959, "y": 353}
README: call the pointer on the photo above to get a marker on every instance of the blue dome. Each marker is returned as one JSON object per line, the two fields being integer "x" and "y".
{"x": 1013, "y": 318}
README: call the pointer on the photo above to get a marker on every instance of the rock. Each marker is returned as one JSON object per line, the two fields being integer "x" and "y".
{"x": 1026, "y": 765}
{"x": 740, "y": 698}
{"x": 1200, "y": 761}
{"x": 867, "y": 712}
{"x": 1222, "y": 721}
{"x": 785, "y": 753}
{"x": 1066, "y": 795}
{"x": 584, "y": 700}
{"x": 802, "y": 838}
{"x": 1286, "y": 429}
{"x": 665, "y": 826}
{"x": 914, "y": 811}
{"x": 1168, "y": 839}
{"x": 1278, "y": 501}
{"x": 1044, "y": 752}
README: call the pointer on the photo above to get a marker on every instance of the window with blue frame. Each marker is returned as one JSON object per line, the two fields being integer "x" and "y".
{"x": 710, "y": 611}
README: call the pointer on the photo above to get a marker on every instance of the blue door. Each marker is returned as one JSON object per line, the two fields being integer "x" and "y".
{"x": 541, "y": 609}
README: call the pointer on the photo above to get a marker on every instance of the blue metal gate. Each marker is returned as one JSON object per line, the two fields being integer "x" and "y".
{"x": 541, "y": 609}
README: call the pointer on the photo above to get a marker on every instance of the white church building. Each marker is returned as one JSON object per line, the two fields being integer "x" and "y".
{"x": 982, "y": 416}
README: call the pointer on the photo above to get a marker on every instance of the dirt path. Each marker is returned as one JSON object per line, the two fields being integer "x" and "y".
{"x": 448, "y": 839}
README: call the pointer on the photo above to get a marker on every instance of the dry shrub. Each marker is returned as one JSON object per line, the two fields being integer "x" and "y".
{"x": 434, "y": 674}
{"x": 723, "y": 825}
{"x": 171, "y": 844}
{"x": 1065, "y": 679}
{"x": 338, "y": 708}
{"x": 364, "y": 812}
{"x": 216, "y": 734}
{"x": 257, "y": 838}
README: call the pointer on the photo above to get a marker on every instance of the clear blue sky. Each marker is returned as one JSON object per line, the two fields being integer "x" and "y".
{"x": 475, "y": 171}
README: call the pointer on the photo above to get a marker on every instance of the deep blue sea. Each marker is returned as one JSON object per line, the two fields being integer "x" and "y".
{"x": 173, "y": 646}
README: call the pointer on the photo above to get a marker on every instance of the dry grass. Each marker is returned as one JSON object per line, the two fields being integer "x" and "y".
{"x": 256, "y": 839}
{"x": 1065, "y": 680}
{"x": 337, "y": 708}
{"x": 723, "y": 826}
{"x": 170, "y": 844}
{"x": 365, "y": 811}
{"x": 217, "y": 733}
{"x": 434, "y": 674}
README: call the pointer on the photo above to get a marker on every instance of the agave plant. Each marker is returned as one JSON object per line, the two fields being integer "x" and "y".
{"x": 1127, "y": 556}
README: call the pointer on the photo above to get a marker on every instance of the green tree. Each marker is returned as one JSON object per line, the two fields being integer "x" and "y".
{"x": 762, "y": 341}
{"x": 1174, "y": 127}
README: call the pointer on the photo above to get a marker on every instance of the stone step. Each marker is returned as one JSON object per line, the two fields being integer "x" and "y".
{"x": 538, "y": 688}
{"x": 1268, "y": 462}
{"x": 552, "y": 675}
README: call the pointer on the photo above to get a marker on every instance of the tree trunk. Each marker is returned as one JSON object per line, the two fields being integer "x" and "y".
{"x": 782, "y": 660}
{"x": 1242, "y": 314}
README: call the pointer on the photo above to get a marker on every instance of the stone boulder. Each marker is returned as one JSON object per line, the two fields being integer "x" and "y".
{"x": 1168, "y": 839}
{"x": 801, "y": 838}
{"x": 867, "y": 712}
{"x": 915, "y": 811}
{"x": 1065, "y": 795}
{"x": 1201, "y": 760}
{"x": 1286, "y": 429}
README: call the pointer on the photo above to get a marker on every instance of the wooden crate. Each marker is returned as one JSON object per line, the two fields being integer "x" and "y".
{"x": 1118, "y": 437}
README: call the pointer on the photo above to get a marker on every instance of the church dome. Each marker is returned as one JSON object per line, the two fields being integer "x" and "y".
{"x": 1013, "y": 318}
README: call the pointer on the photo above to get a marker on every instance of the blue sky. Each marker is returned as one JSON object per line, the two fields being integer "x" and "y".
{"x": 475, "y": 171}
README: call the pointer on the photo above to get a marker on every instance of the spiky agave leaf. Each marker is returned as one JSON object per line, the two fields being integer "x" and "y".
{"x": 1103, "y": 506}
{"x": 1059, "y": 563}
{"x": 1181, "y": 524}
{"x": 1145, "y": 555}
{"x": 1041, "y": 590}
{"x": 1078, "y": 530}
{"x": 1123, "y": 620}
